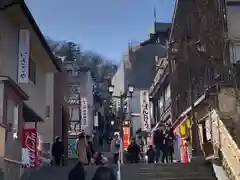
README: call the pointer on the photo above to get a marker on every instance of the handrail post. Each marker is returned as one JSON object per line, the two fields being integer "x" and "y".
{"x": 120, "y": 160}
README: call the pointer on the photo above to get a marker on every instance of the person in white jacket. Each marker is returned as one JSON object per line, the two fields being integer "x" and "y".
{"x": 116, "y": 148}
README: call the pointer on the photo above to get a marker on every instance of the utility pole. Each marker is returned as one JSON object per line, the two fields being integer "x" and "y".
{"x": 121, "y": 115}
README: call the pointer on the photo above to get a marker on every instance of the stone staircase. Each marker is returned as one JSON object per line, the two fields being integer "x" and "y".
{"x": 175, "y": 171}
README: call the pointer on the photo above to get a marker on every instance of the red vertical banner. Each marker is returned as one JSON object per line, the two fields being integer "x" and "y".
{"x": 29, "y": 138}
{"x": 126, "y": 137}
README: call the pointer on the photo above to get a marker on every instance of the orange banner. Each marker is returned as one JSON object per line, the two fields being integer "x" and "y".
{"x": 126, "y": 137}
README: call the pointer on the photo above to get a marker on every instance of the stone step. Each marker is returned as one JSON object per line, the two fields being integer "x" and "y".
{"x": 134, "y": 171}
{"x": 181, "y": 178}
{"x": 1, "y": 174}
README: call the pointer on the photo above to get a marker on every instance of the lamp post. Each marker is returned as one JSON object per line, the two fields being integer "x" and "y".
{"x": 122, "y": 96}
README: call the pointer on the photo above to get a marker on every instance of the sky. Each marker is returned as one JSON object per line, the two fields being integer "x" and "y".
{"x": 102, "y": 26}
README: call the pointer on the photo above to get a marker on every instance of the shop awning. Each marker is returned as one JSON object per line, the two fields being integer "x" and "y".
{"x": 29, "y": 115}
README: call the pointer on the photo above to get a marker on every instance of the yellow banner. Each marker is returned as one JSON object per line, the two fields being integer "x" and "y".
{"x": 189, "y": 123}
{"x": 183, "y": 129}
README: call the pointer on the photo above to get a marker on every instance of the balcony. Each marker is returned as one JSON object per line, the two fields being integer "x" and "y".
{"x": 226, "y": 75}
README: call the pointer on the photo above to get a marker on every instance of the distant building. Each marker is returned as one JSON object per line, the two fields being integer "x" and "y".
{"x": 80, "y": 93}
{"x": 138, "y": 68}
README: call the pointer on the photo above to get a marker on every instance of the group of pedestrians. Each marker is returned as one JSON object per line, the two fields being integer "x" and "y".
{"x": 87, "y": 156}
{"x": 163, "y": 146}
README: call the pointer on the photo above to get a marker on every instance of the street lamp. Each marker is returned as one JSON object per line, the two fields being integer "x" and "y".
{"x": 125, "y": 123}
{"x": 112, "y": 123}
{"x": 110, "y": 89}
{"x": 130, "y": 89}
{"x": 121, "y": 97}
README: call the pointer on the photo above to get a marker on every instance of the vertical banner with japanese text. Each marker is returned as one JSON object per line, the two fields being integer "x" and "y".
{"x": 23, "y": 56}
{"x": 145, "y": 111}
{"x": 29, "y": 139}
{"x": 126, "y": 137}
{"x": 84, "y": 111}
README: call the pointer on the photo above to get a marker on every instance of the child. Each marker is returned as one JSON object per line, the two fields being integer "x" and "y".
{"x": 151, "y": 154}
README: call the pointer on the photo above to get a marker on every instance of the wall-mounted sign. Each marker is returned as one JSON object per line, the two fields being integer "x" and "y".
{"x": 84, "y": 111}
{"x": 23, "y": 56}
{"x": 145, "y": 112}
{"x": 29, "y": 138}
{"x": 208, "y": 128}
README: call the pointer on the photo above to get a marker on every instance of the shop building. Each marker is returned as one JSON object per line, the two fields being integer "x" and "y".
{"x": 204, "y": 67}
{"x": 79, "y": 98}
{"x": 138, "y": 59}
{"x": 160, "y": 94}
{"x": 28, "y": 70}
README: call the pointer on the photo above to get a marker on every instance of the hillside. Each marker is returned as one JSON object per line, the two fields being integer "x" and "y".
{"x": 102, "y": 69}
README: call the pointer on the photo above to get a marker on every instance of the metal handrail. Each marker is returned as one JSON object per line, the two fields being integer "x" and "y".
{"x": 120, "y": 161}
{"x": 13, "y": 161}
{"x": 228, "y": 147}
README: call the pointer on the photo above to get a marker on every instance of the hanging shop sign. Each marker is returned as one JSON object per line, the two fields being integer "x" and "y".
{"x": 30, "y": 145}
{"x": 126, "y": 137}
{"x": 145, "y": 111}
{"x": 189, "y": 123}
{"x": 84, "y": 111}
{"x": 183, "y": 130}
{"x": 23, "y": 56}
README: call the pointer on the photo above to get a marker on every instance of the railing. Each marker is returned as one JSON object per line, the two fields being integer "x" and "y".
{"x": 13, "y": 161}
{"x": 13, "y": 169}
{"x": 223, "y": 141}
{"x": 120, "y": 161}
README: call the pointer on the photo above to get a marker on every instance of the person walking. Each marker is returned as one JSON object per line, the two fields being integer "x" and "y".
{"x": 158, "y": 139}
{"x": 57, "y": 151}
{"x": 115, "y": 148}
{"x": 134, "y": 152}
{"x": 165, "y": 148}
{"x": 90, "y": 150}
{"x": 150, "y": 154}
{"x": 170, "y": 145}
{"x": 82, "y": 149}
{"x": 77, "y": 172}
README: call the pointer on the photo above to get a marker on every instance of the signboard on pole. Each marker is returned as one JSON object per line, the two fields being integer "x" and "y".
{"x": 145, "y": 111}
{"x": 23, "y": 56}
{"x": 29, "y": 138}
{"x": 84, "y": 111}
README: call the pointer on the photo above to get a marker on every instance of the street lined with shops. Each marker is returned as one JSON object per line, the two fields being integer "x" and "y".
{"x": 168, "y": 110}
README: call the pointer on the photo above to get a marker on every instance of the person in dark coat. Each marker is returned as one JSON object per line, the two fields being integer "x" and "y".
{"x": 170, "y": 145}
{"x": 151, "y": 154}
{"x": 134, "y": 152}
{"x": 57, "y": 151}
{"x": 90, "y": 150}
{"x": 77, "y": 173}
{"x": 158, "y": 139}
{"x": 104, "y": 173}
